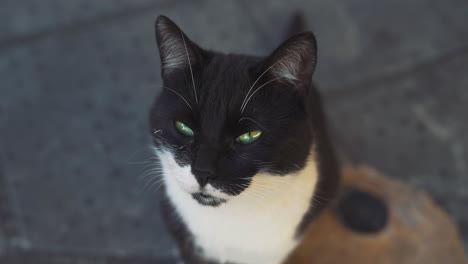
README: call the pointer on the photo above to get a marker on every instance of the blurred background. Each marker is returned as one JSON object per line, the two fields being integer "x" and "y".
{"x": 77, "y": 78}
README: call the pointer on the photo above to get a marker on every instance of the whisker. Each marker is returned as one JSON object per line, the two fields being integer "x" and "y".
{"x": 251, "y": 87}
{"x": 150, "y": 171}
{"x": 156, "y": 131}
{"x": 155, "y": 186}
{"x": 248, "y": 99}
{"x": 190, "y": 66}
{"x": 156, "y": 178}
{"x": 178, "y": 94}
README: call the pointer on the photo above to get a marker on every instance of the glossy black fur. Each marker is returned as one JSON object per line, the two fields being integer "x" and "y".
{"x": 289, "y": 114}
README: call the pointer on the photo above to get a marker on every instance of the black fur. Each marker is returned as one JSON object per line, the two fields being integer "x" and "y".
{"x": 288, "y": 112}
{"x": 362, "y": 212}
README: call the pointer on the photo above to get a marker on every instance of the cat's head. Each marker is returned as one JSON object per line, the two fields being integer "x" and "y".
{"x": 221, "y": 119}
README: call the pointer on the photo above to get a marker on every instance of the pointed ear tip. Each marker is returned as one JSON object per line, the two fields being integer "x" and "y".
{"x": 159, "y": 19}
{"x": 306, "y": 38}
{"x": 309, "y": 36}
{"x": 162, "y": 20}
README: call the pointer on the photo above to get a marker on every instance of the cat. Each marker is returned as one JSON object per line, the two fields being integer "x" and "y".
{"x": 243, "y": 147}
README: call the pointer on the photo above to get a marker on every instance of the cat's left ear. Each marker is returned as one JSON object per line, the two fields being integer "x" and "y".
{"x": 176, "y": 50}
{"x": 294, "y": 61}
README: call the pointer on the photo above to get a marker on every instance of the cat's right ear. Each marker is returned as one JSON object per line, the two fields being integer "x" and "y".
{"x": 176, "y": 50}
{"x": 294, "y": 61}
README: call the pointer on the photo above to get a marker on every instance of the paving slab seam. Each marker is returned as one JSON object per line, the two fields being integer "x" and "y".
{"x": 127, "y": 13}
{"x": 368, "y": 84}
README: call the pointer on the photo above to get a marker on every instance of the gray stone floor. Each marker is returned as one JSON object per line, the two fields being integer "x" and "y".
{"x": 77, "y": 77}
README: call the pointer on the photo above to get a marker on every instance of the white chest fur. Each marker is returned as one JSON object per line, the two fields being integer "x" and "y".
{"x": 257, "y": 226}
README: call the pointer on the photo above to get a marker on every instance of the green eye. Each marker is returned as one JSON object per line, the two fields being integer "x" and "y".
{"x": 249, "y": 137}
{"x": 184, "y": 129}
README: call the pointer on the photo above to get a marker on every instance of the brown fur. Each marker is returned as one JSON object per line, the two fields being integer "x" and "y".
{"x": 418, "y": 231}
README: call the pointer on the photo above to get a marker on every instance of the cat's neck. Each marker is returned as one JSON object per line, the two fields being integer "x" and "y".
{"x": 266, "y": 215}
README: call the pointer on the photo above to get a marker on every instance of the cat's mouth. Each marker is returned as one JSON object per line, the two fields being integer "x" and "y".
{"x": 207, "y": 199}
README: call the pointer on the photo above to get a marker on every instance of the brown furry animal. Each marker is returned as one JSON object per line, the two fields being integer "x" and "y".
{"x": 380, "y": 221}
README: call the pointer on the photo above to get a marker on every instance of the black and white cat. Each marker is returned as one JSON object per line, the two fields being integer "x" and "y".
{"x": 243, "y": 147}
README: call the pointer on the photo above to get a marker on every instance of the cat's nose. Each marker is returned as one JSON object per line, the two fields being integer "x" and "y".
{"x": 203, "y": 176}
{"x": 203, "y": 166}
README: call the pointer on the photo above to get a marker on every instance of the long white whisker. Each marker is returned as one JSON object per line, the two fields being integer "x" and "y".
{"x": 152, "y": 181}
{"x": 149, "y": 180}
{"x": 172, "y": 90}
{"x": 156, "y": 185}
{"x": 150, "y": 172}
{"x": 248, "y": 99}
{"x": 251, "y": 87}
{"x": 190, "y": 66}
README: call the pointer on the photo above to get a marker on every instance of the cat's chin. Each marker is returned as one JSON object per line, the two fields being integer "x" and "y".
{"x": 208, "y": 196}
{"x": 207, "y": 199}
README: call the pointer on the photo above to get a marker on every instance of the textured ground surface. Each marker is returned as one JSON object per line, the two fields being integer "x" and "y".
{"x": 77, "y": 77}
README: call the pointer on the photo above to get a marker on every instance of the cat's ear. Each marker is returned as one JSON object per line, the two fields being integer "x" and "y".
{"x": 294, "y": 60}
{"x": 176, "y": 50}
